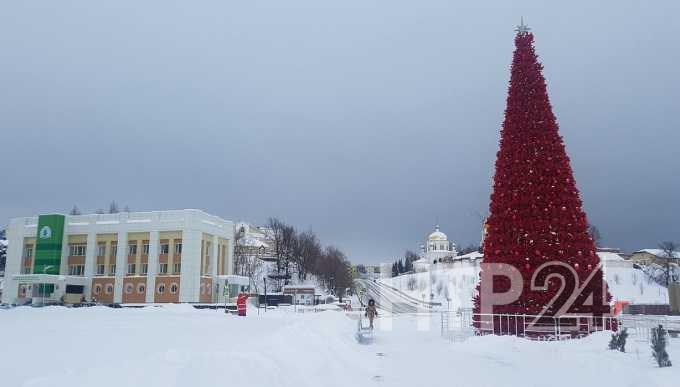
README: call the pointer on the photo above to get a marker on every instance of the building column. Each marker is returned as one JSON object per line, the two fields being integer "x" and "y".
{"x": 63, "y": 266}
{"x": 121, "y": 266}
{"x": 214, "y": 261}
{"x": 229, "y": 257}
{"x": 190, "y": 277}
{"x": 15, "y": 253}
{"x": 154, "y": 244}
{"x": 212, "y": 269}
{"x": 90, "y": 262}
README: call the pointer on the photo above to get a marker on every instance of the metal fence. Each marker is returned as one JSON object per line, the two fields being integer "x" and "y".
{"x": 641, "y": 325}
{"x": 461, "y": 324}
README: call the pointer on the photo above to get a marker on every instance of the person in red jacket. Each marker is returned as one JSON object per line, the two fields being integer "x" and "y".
{"x": 241, "y": 304}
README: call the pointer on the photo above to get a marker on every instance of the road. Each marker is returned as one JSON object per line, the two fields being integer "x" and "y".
{"x": 391, "y": 300}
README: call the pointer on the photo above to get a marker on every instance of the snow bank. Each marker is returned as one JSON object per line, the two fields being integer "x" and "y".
{"x": 175, "y": 345}
{"x": 180, "y": 346}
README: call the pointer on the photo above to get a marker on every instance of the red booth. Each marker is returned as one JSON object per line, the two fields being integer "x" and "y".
{"x": 241, "y": 304}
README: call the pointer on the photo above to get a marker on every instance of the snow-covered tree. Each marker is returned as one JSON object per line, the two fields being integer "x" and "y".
{"x": 659, "y": 347}
{"x": 3, "y": 250}
{"x": 75, "y": 210}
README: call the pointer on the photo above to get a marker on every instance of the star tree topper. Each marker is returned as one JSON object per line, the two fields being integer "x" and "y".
{"x": 522, "y": 28}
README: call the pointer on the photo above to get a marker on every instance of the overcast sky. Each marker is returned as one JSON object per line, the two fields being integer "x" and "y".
{"x": 367, "y": 121}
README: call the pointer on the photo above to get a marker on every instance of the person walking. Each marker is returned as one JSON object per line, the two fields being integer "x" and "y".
{"x": 371, "y": 312}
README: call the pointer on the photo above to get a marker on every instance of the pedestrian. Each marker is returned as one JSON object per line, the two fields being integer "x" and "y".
{"x": 371, "y": 312}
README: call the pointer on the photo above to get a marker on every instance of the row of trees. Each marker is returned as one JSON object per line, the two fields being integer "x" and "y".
{"x": 405, "y": 264}
{"x": 297, "y": 255}
{"x": 113, "y": 209}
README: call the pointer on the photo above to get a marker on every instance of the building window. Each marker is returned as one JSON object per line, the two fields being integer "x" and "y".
{"x": 163, "y": 268}
{"x": 101, "y": 269}
{"x": 76, "y": 269}
{"x": 145, "y": 268}
{"x": 114, "y": 250}
{"x": 141, "y": 289}
{"x": 101, "y": 249}
{"x": 161, "y": 288}
{"x": 165, "y": 248}
{"x": 109, "y": 289}
{"x": 145, "y": 248}
{"x": 174, "y": 288}
{"x": 132, "y": 248}
{"x": 131, "y": 268}
{"x": 28, "y": 251}
{"x": 129, "y": 288}
{"x": 112, "y": 270}
{"x": 178, "y": 247}
{"x": 177, "y": 268}
{"x": 97, "y": 289}
{"x": 77, "y": 250}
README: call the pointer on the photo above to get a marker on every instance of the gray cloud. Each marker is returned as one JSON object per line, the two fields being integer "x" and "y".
{"x": 365, "y": 120}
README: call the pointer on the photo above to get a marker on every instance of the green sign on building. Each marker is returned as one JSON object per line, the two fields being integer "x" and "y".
{"x": 48, "y": 247}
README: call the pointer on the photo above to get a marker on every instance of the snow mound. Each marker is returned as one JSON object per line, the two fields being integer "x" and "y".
{"x": 454, "y": 285}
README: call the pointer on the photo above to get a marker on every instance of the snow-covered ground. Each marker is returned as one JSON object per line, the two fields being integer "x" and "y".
{"x": 458, "y": 282}
{"x": 182, "y": 346}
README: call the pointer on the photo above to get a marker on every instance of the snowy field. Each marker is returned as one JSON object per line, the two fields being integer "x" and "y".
{"x": 458, "y": 284}
{"x": 182, "y": 346}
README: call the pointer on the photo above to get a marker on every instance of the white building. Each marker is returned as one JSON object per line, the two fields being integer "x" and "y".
{"x": 135, "y": 257}
{"x": 436, "y": 249}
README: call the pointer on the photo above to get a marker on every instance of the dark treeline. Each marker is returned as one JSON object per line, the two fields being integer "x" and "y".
{"x": 404, "y": 265}
{"x": 302, "y": 254}
{"x": 113, "y": 209}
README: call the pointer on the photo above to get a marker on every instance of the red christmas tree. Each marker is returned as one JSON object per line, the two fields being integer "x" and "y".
{"x": 536, "y": 223}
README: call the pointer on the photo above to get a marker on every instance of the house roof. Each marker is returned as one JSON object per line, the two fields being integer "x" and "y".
{"x": 659, "y": 253}
{"x": 609, "y": 256}
{"x": 472, "y": 255}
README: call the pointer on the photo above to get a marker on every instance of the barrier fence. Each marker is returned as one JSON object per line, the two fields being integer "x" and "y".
{"x": 463, "y": 323}
{"x": 460, "y": 324}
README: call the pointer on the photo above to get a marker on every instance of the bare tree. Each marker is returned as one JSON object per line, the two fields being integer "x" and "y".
{"x": 289, "y": 240}
{"x": 113, "y": 208}
{"x": 334, "y": 271}
{"x": 284, "y": 241}
{"x": 247, "y": 256}
{"x": 594, "y": 233}
{"x": 409, "y": 258}
{"x": 306, "y": 251}
{"x": 276, "y": 226}
{"x": 75, "y": 210}
{"x": 3, "y": 250}
{"x": 669, "y": 251}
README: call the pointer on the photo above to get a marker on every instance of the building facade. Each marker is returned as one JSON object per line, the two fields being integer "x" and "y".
{"x": 127, "y": 257}
{"x": 658, "y": 256}
{"x": 436, "y": 249}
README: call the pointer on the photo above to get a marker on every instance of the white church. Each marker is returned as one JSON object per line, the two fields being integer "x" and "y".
{"x": 436, "y": 249}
